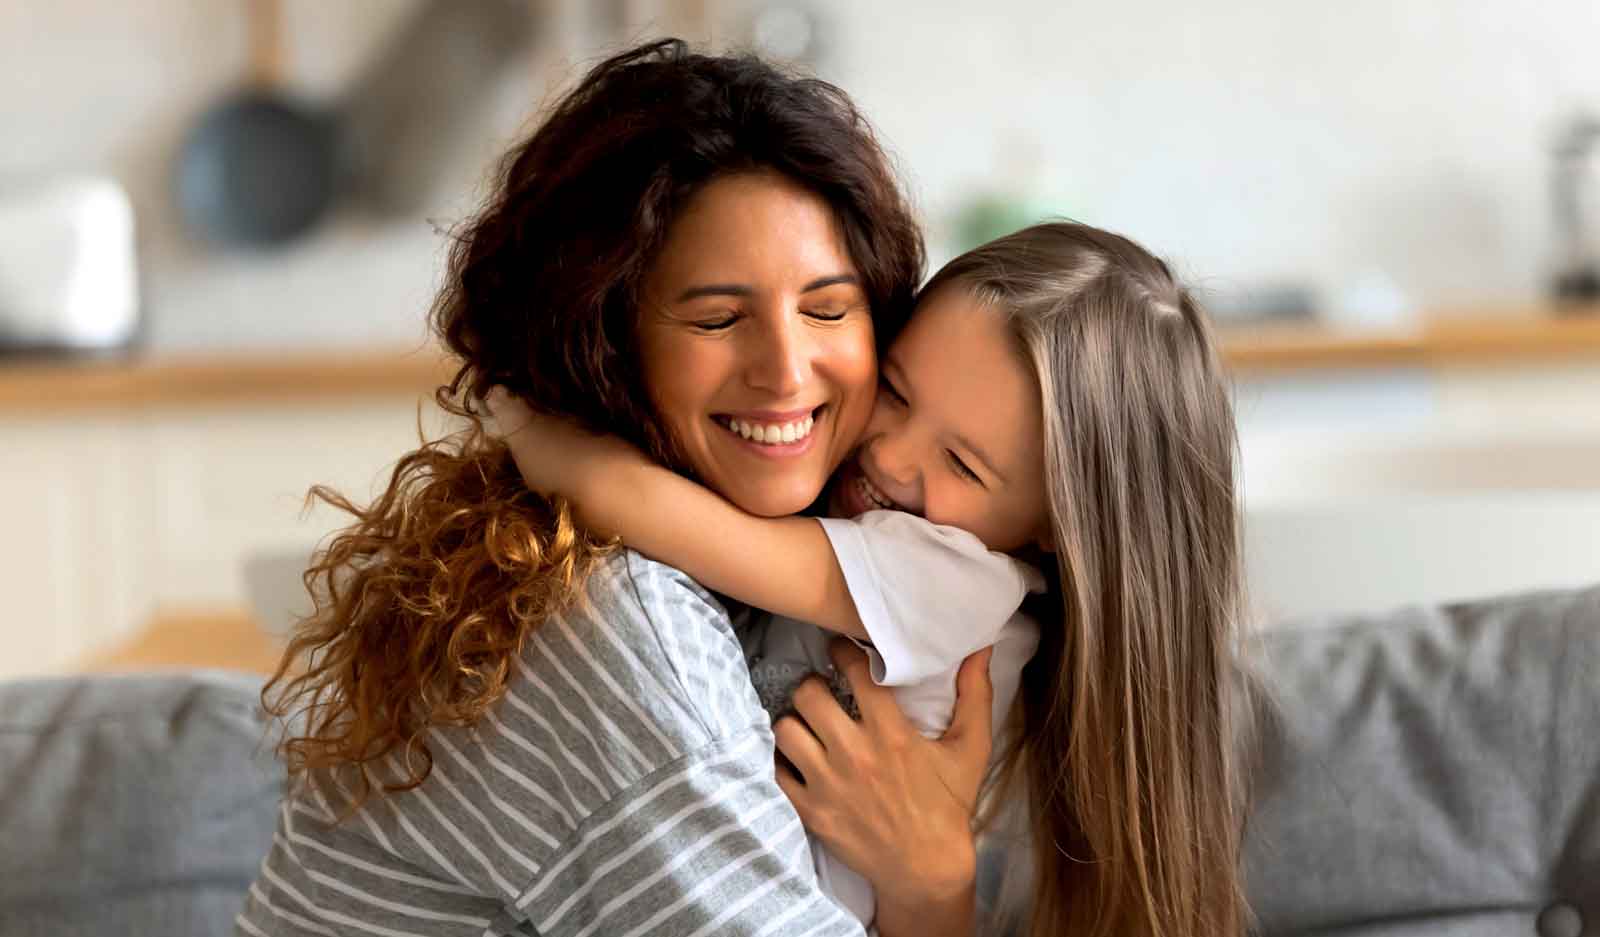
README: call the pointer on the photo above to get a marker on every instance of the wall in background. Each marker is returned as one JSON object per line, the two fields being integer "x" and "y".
{"x": 1253, "y": 140}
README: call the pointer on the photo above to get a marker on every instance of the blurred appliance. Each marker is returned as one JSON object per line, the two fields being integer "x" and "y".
{"x": 263, "y": 168}
{"x": 68, "y": 276}
{"x": 1576, "y": 192}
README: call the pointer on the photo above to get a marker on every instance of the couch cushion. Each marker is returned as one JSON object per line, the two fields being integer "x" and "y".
{"x": 1430, "y": 771}
{"x": 135, "y": 804}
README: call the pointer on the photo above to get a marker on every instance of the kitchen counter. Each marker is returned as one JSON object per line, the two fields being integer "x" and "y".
{"x": 1511, "y": 336}
{"x": 1444, "y": 340}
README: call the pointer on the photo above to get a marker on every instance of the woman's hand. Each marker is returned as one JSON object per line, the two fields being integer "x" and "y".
{"x": 890, "y": 804}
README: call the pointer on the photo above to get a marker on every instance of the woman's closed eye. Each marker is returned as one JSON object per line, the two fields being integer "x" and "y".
{"x": 716, "y": 323}
{"x": 828, "y": 313}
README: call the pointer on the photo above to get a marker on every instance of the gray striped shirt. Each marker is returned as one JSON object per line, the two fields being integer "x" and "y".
{"x": 623, "y": 787}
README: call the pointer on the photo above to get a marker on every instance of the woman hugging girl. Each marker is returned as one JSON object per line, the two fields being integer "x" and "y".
{"x": 1048, "y": 471}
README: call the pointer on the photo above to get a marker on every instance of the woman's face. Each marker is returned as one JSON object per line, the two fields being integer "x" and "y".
{"x": 757, "y": 342}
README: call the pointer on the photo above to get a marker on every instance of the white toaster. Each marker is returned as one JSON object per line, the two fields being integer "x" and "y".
{"x": 68, "y": 271}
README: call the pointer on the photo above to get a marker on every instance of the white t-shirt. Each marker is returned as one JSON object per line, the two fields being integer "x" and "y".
{"x": 929, "y": 596}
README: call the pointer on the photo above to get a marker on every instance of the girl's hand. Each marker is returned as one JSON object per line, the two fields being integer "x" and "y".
{"x": 554, "y": 455}
{"x": 894, "y": 806}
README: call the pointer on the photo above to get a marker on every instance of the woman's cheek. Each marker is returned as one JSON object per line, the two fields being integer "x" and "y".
{"x": 856, "y": 371}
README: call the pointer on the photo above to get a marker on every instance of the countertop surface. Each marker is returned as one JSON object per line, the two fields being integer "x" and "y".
{"x": 153, "y": 380}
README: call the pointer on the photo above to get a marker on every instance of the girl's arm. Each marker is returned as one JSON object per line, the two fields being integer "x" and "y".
{"x": 784, "y": 565}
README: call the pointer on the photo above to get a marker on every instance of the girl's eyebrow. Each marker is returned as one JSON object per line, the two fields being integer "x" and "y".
{"x": 741, "y": 290}
{"x": 909, "y": 392}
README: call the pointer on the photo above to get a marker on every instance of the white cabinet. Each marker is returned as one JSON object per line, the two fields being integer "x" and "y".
{"x": 66, "y": 503}
{"x": 110, "y": 517}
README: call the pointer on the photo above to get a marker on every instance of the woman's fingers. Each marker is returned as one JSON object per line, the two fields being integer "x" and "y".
{"x": 877, "y": 704}
{"x": 828, "y": 721}
{"x": 971, "y": 725}
{"x": 800, "y": 746}
{"x": 882, "y": 793}
{"x": 794, "y": 789}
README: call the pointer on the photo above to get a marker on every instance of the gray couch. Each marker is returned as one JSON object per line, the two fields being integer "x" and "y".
{"x": 1426, "y": 772}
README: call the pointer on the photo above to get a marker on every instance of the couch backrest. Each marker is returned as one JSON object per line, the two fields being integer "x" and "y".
{"x": 1431, "y": 771}
{"x": 132, "y": 805}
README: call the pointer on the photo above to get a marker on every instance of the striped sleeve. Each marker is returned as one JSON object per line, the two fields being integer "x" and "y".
{"x": 623, "y": 786}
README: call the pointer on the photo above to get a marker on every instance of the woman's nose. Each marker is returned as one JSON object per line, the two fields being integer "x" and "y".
{"x": 780, "y": 360}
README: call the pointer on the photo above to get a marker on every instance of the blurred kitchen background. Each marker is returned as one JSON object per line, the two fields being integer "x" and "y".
{"x": 1393, "y": 207}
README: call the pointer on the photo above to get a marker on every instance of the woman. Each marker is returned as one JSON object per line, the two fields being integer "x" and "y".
{"x": 511, "y": 728}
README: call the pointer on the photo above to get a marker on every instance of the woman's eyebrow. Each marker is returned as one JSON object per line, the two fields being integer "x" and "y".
{"x": 714, "y": 289}
{"x": 738, "y": 289}
{"x": 835, "y": 280}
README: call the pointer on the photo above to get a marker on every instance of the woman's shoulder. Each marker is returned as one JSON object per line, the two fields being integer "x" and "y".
{"x": 629, "y": 592}
{"x": 641, "y": 631}
{"x": 637, "y": 581}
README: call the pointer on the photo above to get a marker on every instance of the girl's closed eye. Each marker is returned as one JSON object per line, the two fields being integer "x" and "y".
{"x": 962, "y": 470}
{"x": 888, "y": 388}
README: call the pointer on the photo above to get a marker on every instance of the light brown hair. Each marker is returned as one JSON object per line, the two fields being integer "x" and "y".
{"x": 1124, "y": 749}
{"x": 423, "y": 601}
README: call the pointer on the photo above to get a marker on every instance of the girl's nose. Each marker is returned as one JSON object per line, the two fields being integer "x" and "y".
{"x": 893, "y": 455}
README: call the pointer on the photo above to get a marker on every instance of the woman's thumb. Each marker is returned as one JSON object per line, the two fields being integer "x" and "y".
{"x": 974, "y": 700}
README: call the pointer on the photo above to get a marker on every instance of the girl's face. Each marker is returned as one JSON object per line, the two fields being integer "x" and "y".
{"x": 956, "y": 432}
{"x": 757, "y": 342}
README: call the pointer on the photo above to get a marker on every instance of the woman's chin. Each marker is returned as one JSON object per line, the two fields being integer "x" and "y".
{"x": 776, "y": 497}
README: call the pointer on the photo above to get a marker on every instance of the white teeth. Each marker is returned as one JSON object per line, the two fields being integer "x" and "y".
{"x": 873, "y": 495}
{"x": 772, "y": 434}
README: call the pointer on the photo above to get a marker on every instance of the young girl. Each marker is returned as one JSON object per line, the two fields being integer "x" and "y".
{"x": 1055, "y": 393}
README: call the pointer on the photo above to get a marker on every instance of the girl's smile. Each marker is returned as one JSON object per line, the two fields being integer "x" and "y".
{"x": 955, "y": 432}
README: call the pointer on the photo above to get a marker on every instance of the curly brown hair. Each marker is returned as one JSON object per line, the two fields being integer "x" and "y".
{"x": 422, "y": 602}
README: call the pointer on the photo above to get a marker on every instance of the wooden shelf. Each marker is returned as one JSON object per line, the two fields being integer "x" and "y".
{"x": 1444, "y": 341}
{"x": 1456, "y": 339}
{"x": 188, "y": 380}
{"x": 223, "y": 638}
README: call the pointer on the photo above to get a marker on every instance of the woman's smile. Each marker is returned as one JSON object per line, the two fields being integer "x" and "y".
{"x": 773, "y": 434}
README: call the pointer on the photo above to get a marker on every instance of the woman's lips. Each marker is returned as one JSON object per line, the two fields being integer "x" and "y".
{"x": 791, "y": 432}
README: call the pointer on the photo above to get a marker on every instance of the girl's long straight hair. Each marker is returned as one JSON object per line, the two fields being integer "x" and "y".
{"x": 1125, "y": 745}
